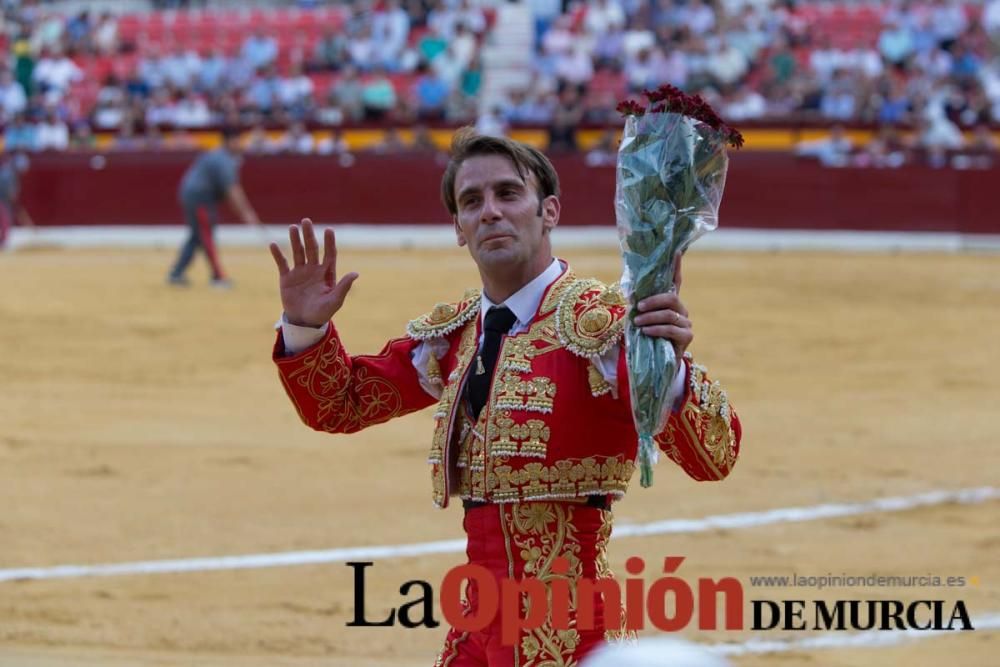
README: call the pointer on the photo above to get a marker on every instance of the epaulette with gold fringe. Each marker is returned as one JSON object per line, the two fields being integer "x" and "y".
{"x": 445, "y": 318}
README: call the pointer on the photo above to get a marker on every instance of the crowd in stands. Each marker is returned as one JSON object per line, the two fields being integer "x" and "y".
{"x": 931, "y": 65}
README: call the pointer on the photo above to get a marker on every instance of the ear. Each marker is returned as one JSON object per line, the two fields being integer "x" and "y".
{"x": 459, "y": 234}
{"x": 550, "y": 213}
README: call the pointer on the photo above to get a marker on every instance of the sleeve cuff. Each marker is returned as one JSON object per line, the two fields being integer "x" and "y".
{"x": 297, "y": 338}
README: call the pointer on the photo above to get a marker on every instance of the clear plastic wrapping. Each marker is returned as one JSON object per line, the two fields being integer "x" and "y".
{"x": 670, "y": 176}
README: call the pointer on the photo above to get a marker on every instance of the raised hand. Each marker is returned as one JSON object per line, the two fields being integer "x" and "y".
{"x": 664, "y": 316}
{"x": 310, "y": 291}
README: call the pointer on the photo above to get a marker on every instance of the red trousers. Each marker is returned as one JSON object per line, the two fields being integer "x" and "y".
{"x": 517, "y": 540}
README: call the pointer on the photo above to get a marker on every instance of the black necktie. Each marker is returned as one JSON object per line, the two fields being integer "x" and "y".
{"x": 499, "y": 320}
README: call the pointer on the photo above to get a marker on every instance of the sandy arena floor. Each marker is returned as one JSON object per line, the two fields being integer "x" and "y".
{"x": 141, "y": 422}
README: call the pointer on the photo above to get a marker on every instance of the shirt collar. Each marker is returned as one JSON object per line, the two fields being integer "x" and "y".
{"x": 524, "y": 302}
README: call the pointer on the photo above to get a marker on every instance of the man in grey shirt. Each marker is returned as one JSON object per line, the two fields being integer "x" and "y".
{"x": 214, "y": 177}
{"x": 10, "y": 186}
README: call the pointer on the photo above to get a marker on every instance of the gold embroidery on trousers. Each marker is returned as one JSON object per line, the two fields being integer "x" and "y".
{"x": 540, "y": 532}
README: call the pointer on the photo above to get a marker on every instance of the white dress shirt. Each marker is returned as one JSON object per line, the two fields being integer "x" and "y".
{"x": 523, "y": 303}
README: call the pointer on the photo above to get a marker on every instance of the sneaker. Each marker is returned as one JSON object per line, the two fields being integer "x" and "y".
{"x": 178, "y": 281}
{"x": 221, "y": 283}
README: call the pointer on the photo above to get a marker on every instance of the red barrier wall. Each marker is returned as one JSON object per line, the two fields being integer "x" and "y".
{"x": 764, "y": 190}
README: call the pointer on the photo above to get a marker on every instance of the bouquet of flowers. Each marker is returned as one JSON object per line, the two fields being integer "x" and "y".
{"x": 670, "y": 176}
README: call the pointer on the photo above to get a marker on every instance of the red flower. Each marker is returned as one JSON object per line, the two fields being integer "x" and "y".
{"x": 670, "y": 99}
{"x": 630, "y": 108}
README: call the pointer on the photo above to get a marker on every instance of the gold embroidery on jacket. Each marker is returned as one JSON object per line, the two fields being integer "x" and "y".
{"x": 598, "y": 385}
{"x": 529, "y": 439}
{"x": 445, "y": 317}
{"x": 567, "y": 478}
{"x": 346, "y": 399}
{"x": 707, "y": 418}
{"x": 536, "y": 394}
{"x": 590, "y": 317}
{"x": 446, "y": 408}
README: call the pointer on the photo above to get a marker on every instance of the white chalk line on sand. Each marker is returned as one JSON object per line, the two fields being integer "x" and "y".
{"x": 569, "y": 236}
{"x": 870, "y": 639}
{"x": 670, "y": 526}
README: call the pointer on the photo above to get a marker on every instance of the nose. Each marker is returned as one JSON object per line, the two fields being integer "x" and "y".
{"x": 491, "y": 211}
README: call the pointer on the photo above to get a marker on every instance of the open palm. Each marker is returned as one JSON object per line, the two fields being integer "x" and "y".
{"x": 310, "y": 291}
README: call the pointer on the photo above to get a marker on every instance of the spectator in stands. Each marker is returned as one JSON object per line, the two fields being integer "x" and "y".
{"x": 378, "y": 96}
{"x": 604, "y": 153}
{"x": 257, "y": 141}
{"x": 213, "y": 178}
{"x": 545, "y": 13}
{"x": 261, "y": 96}
{"x": 24, "y": 63}
{"x": 55, "y": 73}
{"x": 363, "y": 50}
{"x": 744, "y": 104}
{"x": 492, "y": 123}
{"x": 565, "y": 121}
{"x": 576, "y": 66}
{"x": 159, "y": 111}
{"x": 948, "y": 22}
{"x": 20, "y": 135}
{"x": 192, "y": 111}
{"x": 346, "y": 94}
{"x": 884, "y": 150}
{"x": 51, "y": 134}
{"x": 153, "y": 139}
{"x": 431, "y": 45}
{"x": 180, "y": 67}
{"x": 697, "y": 16}
{"x": 463, "y": 45}
{"x": 423, "y": 142}
{"x": 297, "y": 140}
{"x": 334, "y": 144}
{"x": 390, "y": 143}
{"x": 13, "y": 99}
{"x": 212, "y": 76}
{"x": 644, "y": 69}
{"x": 469, "y": 15}
{"x": 727, "y": 65}
{"x": 390, "y": 30}
{"x": 48, "y": 33}
{"x": 331, "y": 51}
{"x": 471, "y": 80}
{"x": 831, "y": 151}
{"x": 295, "y": 92}
{"x": 983, "y": 140}
{"x": 126, "y": 139}
{"x": 896, "y": 43}
{"x": 430, "y": 92}
{"x": 78, "y": 33}
{"x": 259, "y": 50}
{"x": 82, "y": 137}
{"x": 839, "y": 100}
{"x": 151, "y": 70}
{"x": 105, "y": 35}
{"x": 603, "y": 16}
{"x": 991, "y": 22}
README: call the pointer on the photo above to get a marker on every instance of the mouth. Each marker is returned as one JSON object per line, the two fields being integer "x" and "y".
{"x": 496, "y": 237}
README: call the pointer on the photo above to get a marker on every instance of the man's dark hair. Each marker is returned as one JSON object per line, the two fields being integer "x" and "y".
{"x": 527, "y": 160}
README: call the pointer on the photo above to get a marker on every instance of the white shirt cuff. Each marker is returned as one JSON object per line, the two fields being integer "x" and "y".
{"x": 297, "y": 338}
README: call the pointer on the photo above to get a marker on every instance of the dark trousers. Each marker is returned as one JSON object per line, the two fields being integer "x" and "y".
{"x": 201, "y": 220}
